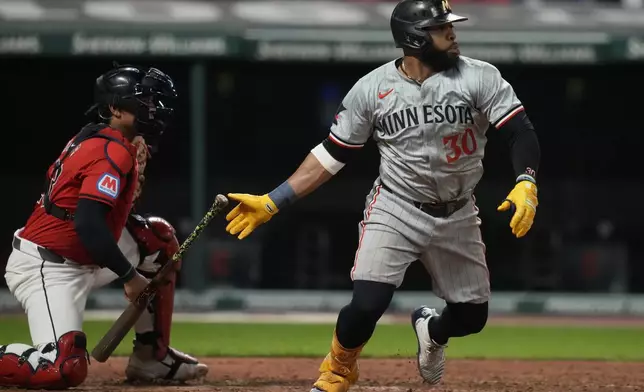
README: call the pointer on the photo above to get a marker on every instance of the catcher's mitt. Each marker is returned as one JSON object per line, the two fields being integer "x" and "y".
{"x": 142, "y": 156}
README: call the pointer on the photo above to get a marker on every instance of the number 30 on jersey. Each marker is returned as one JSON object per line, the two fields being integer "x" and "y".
{"x": 459, "y": 144}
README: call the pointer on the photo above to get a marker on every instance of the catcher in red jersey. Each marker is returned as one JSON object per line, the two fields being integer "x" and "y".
{"x": 76, "y": 239}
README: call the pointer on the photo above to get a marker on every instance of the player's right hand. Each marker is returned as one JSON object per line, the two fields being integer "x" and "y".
{"x": 135, "y": 286}
{"x": 251, "y": 212}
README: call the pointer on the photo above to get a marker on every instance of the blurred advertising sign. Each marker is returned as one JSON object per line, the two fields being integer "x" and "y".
{"x": 310, "y": 30}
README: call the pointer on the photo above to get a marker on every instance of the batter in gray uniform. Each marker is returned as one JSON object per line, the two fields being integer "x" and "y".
{"x": 428, "y": 113}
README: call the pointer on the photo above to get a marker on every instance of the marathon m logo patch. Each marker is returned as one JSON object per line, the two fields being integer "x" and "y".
{"x": 108, "y": 185}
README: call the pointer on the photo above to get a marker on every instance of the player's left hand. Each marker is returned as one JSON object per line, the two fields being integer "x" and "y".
{"x": 524, "y": 199}
{"x": 251, "y": 212}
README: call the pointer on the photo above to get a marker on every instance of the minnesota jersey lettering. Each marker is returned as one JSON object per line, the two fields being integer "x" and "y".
{"x": 427, "y": 114}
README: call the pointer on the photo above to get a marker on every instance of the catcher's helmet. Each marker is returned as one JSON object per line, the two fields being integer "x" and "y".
{"x": 142, "y": 92}
{"x": 411, "y": 18}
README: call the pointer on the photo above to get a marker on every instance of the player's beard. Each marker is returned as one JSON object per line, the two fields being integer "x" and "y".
{"x": 438, "y": 60}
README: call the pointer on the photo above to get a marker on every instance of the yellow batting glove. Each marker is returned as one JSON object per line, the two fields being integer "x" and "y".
{"x": 251, "y": 212}
{"x": 524, "y": 199}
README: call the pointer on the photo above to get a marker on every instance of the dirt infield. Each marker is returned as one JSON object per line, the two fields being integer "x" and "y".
{"x": 400, "y": 375}
{"x": 289, "y": 374}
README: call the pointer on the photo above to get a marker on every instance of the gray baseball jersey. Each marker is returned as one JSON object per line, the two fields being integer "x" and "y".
{"x": 431, "y": 138}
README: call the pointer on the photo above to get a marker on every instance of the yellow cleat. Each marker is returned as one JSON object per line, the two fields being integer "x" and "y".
{"x": 339, "y": 370}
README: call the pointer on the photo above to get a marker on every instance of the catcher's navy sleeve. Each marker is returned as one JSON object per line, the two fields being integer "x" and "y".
{"x": 91, "y": 226}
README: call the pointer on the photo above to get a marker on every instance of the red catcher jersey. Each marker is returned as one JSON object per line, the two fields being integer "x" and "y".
{"x": 88, "y": 172}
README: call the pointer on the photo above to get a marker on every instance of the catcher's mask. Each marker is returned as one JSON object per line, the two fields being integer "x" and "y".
{"x": 146, "y": 93}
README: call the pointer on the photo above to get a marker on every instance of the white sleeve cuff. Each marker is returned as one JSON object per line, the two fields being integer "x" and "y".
{"x": 526, "y": 177}
{"x": 329, "y": 163}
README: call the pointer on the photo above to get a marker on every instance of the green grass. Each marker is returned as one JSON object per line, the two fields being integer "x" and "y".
{"x": 516, "y": 342}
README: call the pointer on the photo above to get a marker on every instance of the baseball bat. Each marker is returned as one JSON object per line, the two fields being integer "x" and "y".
{"x": 106, "y": 346}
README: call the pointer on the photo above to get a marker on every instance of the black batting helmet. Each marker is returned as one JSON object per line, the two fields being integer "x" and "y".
{"x": 411, "y": 19}
{"x": 144, "y": 92}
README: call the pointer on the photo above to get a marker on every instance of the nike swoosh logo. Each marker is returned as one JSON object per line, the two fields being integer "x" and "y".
{"x": 382, "y": 95}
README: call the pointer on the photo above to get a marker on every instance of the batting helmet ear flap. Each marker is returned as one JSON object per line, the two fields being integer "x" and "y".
{"x": 416, "y": 42}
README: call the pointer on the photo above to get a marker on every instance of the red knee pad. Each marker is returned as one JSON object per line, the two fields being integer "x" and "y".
{"x": 58, "y": 366}
{"x": 154, "y": 234}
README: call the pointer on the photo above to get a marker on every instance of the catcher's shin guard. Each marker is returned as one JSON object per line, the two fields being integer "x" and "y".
{"x": 154, "y": 326}
{"x": 339, "y": 370}
{"x": 152, "y": 358}
{"x": 157, "y": 244}
{"x": 57, "y": 366}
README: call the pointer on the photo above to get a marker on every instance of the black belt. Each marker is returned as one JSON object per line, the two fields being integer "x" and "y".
{"x": 437, "y": 210}
{"x": 45, "y": 253}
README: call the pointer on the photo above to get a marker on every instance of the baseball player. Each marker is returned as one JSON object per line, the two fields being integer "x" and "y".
{"x": 428, "y": 112}
{"x": 69, "y": 244}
